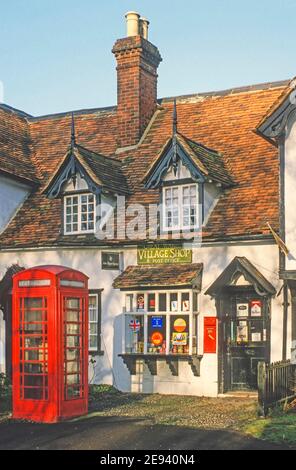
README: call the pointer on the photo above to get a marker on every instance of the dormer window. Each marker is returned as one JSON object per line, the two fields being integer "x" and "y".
{"x": 79, "y": 213}
{"x": 180, "y": 207}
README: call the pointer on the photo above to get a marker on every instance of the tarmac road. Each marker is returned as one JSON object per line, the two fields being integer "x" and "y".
{"x": 112, "y": 433}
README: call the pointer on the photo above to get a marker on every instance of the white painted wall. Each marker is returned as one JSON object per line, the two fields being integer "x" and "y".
{"x": 290, "y": 190}
{"x": 109, "y": 367}
{"x": 12, "y": 195}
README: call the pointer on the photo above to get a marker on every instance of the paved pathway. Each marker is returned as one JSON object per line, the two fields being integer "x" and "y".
{"x": 111, "y": 433}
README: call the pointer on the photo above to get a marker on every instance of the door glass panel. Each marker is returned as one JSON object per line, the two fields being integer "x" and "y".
{"x": 33, "y": 348}
{"x": 74, "y": 318}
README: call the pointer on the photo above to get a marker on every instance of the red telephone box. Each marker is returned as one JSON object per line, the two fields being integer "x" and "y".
{"x": 50, "y": 344}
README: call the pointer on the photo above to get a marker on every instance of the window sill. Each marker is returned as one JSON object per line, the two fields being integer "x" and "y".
{"x": 96, "y": 353}
{"x": 173, "y": 360}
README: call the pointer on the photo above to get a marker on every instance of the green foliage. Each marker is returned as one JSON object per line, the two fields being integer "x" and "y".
{"x": 96, "y": 391}
{"x": 278, "y": 427}
{"x": 5, "y": 393}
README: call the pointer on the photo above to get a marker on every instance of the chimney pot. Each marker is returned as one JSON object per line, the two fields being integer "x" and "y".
{"x": 144, "y": 25}
{"x": 132, "y": 23}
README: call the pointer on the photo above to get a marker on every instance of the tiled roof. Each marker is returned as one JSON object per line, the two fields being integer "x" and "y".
{"x": 224, "y": 122}
{"x": 212, "y": 161}
{"x": 151, "y": 276}
{"x": 15, "y": 145}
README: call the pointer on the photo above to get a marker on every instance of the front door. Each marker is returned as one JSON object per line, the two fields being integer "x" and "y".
{"x": 246, "y": 338}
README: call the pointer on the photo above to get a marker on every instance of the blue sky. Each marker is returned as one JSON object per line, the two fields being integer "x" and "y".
{"x": 55, "y": 55}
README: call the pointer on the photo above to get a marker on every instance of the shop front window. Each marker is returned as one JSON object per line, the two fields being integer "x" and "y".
{"x": 161, "y": 322}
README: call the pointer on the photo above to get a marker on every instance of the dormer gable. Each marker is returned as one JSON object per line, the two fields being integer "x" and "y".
{"x": 180, "y": 153}
{"x": 94, "y": 172}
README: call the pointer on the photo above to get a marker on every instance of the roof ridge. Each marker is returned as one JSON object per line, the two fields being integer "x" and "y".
{"x": 200, "y": 144}
{"x": 106, "y": 157}
{"x": 77, "y": 112}
{"x": 82, "y": 111}
{"x": 228, "y": 91}
{"x": 10, "y": 109}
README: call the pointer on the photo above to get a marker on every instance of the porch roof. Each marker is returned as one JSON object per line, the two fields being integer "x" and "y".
{"x": 167, "y": 275}
{"x": 240, "y": 265}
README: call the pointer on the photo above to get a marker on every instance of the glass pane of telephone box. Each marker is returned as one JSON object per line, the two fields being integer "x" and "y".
{"x": 33, "y": 348}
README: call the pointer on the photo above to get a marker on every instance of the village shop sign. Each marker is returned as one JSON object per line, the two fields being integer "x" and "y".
{"x": 169, "y": 254}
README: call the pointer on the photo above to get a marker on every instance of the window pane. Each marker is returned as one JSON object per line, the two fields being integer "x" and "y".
{"x": 151, "y": 302}
{"x": 140, "y": 302}
{"x": 162, "y": 302}
{"x": 179, "y": 334}
{"x": 185, "y": 301}
{"x": 93, "y": 342}
{"x": 93, "y": 328}
{"x": 134, "y": 333}
{"x": 156, "y": 334}
{"x": 174, "y": 302}
{"x": 93, "y": 322}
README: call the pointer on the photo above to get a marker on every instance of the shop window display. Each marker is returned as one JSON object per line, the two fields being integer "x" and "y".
{"x": 156, "y": 334}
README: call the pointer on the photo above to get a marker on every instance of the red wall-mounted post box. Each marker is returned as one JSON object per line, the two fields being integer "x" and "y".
{"x": 210, "y": 334}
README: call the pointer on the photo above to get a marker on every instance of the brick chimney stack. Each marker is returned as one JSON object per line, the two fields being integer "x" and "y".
{"x": 137, "y": 62}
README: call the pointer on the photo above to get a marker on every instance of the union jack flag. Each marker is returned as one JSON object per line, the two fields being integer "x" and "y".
{"x": 135, "y": 324}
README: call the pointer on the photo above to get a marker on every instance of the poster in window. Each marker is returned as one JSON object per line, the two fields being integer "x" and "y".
{"x": 242, "y": 309}
{"x": 179, "y": 339}
{"x": 256, "y": 337}
{"x": 157, "y": 322}
{"x": 185, "y": 305}
{"x": 174, "y": 305}
{"x": 157, "y": 338}
{"x": 135, "y": 325}
{"x": 242, "y": 332}
{"x": 140, "y": 302}
{"x": 256, "y": 308}
{"x": 180, "y": 325}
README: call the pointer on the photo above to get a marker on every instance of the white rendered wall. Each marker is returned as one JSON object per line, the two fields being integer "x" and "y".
{"x": 109, "y": 367}
{"x": 290, "y": 189}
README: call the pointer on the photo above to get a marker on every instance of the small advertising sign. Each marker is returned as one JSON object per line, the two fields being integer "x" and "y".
{"x": 156, "y": 322}
{"x": 242, "y": 310}
{"x": 180, "y": 325}
{"x": 256, "y": 307}
{"x": 179, "y": 339}
{"x": 157, "y": 338}
{"x": 210, "y": 334}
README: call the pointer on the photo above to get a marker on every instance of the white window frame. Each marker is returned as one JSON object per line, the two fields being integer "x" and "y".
{"x": 180, "y": 226}
{"x": 94, "y": 348}
{"x": 79, "y": 213}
